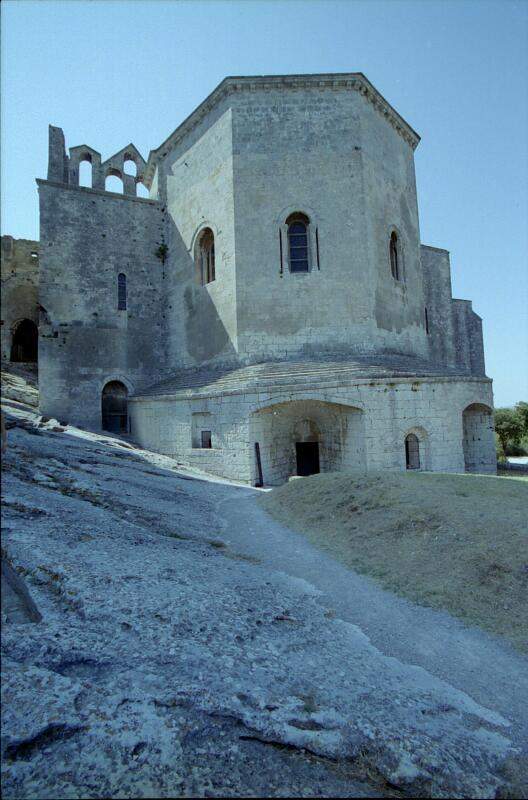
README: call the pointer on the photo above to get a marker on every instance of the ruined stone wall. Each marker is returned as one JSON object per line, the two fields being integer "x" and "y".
{"x": 19, "y": 287}
{"x": 88, "y": 237}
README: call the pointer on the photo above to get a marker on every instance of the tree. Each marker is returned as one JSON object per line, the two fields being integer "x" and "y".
{"x": 522, "y": 410}
{"x": 509, "y": 426}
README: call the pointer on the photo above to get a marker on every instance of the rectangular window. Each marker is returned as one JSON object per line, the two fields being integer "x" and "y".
{"x": 206, "y": 439}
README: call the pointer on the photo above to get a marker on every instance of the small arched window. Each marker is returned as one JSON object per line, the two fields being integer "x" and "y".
{"x": 205, "y": 257}
{"x": 412, "y": 451}
{"x": 394, "y": 252}
{"x": 121, "y": 292}
{"x": 298, "y": 242}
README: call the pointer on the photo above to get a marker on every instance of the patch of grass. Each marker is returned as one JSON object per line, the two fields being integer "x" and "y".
{"x": 456, "y": 542}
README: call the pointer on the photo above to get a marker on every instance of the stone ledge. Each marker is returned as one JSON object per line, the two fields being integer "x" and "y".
{"x": 103, "y": 192}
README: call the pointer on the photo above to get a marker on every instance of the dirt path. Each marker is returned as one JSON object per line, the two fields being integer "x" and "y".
{"x": 484, "y": 666}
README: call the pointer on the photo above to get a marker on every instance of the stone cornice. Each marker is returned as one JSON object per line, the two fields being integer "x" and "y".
{"x": 355, "y": 81}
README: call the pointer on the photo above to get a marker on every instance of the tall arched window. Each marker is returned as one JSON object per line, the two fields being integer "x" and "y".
{"x": 121, "y": 292}
{"x": 205, "y": 257}
{"x": 298, "y": 242}
{"x": 412, "y": 451}
{"x": 114, "y": 407}
{"x": 394, "y": 256}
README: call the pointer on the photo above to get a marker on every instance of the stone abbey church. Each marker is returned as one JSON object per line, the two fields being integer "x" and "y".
{"x": 268, "y": 309}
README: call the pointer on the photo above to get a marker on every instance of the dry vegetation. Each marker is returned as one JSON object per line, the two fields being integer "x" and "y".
{"x": 456, "y": 542}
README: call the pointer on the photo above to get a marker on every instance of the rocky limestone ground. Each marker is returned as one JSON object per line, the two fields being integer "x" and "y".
{"x": 169, "y": 663}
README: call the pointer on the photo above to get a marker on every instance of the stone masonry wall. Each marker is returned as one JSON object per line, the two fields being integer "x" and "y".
{"x": 19, "y": 287}
{"x": 455, "y": 330}
{"x": 433, "y": 409}
{"x": 331, "y": 155}
{"x": 88, "y": 237}
{"x": 198, "y": 186}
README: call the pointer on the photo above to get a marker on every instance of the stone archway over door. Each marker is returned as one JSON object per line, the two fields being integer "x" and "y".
{"x": 114, "y": 407}
{"x": 334, "y": 433}
{"x": 479, "y": 439}
{"x": 24, "y": 344}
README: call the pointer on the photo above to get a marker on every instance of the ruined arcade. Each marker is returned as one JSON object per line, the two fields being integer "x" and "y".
{"x": 269, "y": 309}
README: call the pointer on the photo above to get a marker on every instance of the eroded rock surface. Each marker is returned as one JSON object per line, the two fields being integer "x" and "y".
{"x": 168, "y": 664}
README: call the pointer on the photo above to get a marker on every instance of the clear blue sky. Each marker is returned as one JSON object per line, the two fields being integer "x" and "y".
{"x": 113, "y": 72}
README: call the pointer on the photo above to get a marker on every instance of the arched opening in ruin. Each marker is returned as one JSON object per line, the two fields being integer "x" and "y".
{"x": 129, "y": 167}
{"x": 85, "y": 171}
{"x": 24, "y": 342}
{"x": 141, "y": 190}
{"x": 114, "y": 182}
{"x": 478, "y": 440}
{"x": 114, "y": 407}
{"x": 304, "y": 437}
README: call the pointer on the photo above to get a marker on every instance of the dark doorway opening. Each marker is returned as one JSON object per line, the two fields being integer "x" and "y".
{"x": 307, "y": 458}
{"x": 24, "y": 346}
{"x": 114, "y": 408}
{"x": 412, "y": 452}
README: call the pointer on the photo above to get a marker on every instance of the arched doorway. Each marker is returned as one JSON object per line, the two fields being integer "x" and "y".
{"x": 114, "y": 407}
{"x": 24, "y": 344}
{"x": 303, "y": 437}
{"x": 412, "y": 451}
{"x": 478, "y": 440}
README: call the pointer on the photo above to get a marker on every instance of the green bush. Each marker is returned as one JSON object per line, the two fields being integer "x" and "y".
{"x": 513, "y": 449}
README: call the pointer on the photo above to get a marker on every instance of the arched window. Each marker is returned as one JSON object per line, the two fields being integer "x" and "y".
{"x": 114, "y": 407}
{"x": 412, "y": 451}
{"x": 394, "y": 249}
{"x": 205, "y": 257}
{"x": 24, "y": 344}
{"x": 298, "y": 242}
{"x": 121, "y": 292}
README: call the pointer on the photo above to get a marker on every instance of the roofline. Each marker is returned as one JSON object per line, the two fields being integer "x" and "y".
{"x": 233, "y": 83}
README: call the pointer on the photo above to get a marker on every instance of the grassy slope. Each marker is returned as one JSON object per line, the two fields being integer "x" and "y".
{"x": 458, "y": 542}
